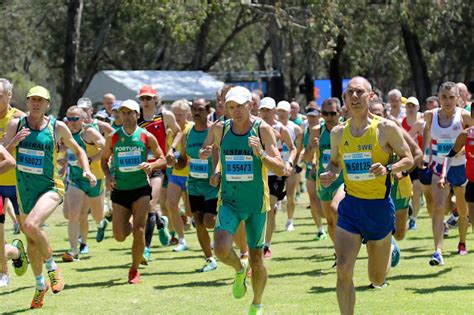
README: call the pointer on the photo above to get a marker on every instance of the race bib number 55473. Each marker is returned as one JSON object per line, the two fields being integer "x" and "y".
{"x": 238, "y": 168}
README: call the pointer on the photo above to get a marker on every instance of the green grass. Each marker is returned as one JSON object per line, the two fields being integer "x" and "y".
{"x": 301, "y": 280}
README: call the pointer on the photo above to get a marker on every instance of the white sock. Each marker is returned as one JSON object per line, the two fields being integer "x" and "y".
{"x": 181, "y": 240}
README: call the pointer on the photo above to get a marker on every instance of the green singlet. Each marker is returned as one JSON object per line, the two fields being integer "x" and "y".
{"x": 129, "y": 152}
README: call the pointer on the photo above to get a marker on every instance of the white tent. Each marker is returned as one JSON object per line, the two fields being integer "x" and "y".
{"x": 171, "y": 85}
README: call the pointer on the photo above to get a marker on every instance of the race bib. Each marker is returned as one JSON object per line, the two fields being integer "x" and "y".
{"x": 444, "y": 146}
{"x": 358, "y": 165}
{"x": 129, "y": 161}
{"x": 198, "y": 168}
{"x": 30, "y": 161}
{"x": 239, "y": 168}
{"x": 285, "y": 153}
{"x": 72, "y": 159}
{"x": 326, "y": 158}
{"x": 150, "y": 156}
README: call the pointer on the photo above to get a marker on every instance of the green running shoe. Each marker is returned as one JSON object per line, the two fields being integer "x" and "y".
{"x": 239, "y": 288}
{"x": 146, "y": 256}
{"x": 163, "y": 233}
{"x": 395, "y": 253}
{"x": 321, "y": 236}
{"x": 255, "y": 310}
{"x": 20, "y": 264}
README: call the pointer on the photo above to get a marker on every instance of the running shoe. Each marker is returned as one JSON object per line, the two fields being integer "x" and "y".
{"x": 4, "y": 280}
{"x": 267, "y": 253}
{"x": 436, "y": 259}
{"x": 372, "y": 286}
{"x": 239, "y": 288}
{"x": 395, "y": 253}
{"x": 462, "y": 250}
{"x": 133, "y": 276}
{"x": 83, "y": 249}
{"x": 173, "y": 241}
{"x": 163, "y": 233}
{"x": 57, "y": 282}
{"x": 412, "y": 224}
{"x": 21, "y": 264}
{"x": 16, "y": 228}
{"x": 146, "y": 257}
{"x": 38, "y": 298}
{"x": 211, "y": 264}
{"x": 297, "y": 196}
{"x": 446, "y": 230}
{"x": 181, "y": 247}
{"x": 452, "y": 221}
{"x": 321, "y": 236}
{"x": 70, "y": 257}
{"x": 254, "y": 310}
{"x": 99, "y": 237}
{"x": 289, "y": 226}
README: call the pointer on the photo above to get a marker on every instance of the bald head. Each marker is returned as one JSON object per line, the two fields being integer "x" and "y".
{"x": 364, "y": 81}
{"x": 463, "y": 92}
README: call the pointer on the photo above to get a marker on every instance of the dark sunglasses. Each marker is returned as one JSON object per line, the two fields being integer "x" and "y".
{"x": 198, "y": 109}
{"x": 73, "y": 119}
{"x": 145, "y": 98}
{"x": 325, "y": 113}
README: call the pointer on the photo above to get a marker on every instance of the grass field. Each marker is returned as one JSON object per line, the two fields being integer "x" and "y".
{"x": 301, "y": 280}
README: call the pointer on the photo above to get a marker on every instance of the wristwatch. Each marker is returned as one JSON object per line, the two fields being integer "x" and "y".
{"x": 389, "y": 168}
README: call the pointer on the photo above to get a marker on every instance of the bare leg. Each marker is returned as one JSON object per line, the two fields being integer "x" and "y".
{"x": 271, "y": 220}
{"x": 224, "y": 251}
{"x": 140, "y": 209}
{"x": 401, "y": 224}
{"x": 461, "y": 205}
{"x": 291, "y": 186}
{"x": 416, "y": 198}
{"x": 173, "y": 195}
{"x": 202, "y": 234}
{"x": 259, "y": 275}
{"x": 240, "y": 239}
{"x": 75, "y": 199}
{"x": 379, "y": 257}
{"x": 315, "y": 203}
{"x": 439, "y": 202}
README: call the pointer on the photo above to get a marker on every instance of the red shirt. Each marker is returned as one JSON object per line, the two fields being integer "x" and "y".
{"x": 156, "y": 127}
{"x": 407, "y": 127}
{"x": 470, "y": 154}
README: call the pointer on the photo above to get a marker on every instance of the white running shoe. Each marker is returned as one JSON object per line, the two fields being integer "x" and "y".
{"x": 181, "y": 247}
{"x": 289, "y": 226}
{"x": 4, "y": 280}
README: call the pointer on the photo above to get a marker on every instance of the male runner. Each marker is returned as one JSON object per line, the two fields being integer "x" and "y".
{"x": 35, "y": 140}
{"x": 362, "y": 148}
{"x": 443, "y": 126}
{"x": 395, "y": 101}
{"x": 131, "y": 191}
{"x": 202, "y": 195}
{"x": 80, "y": 195}
{"x": 157, "y": 121}
{"x": 283, "y": 109}
{"x": 275, "y": 183}
{"x": 247, "y": 150}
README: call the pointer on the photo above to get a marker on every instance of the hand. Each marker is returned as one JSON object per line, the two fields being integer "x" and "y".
{"x": 146, "y": 167}
{"x": 288, "y": 169}
{"x": 421, "y": 165}
{"x": 315, "y": 143}
{"x": 20, "y": 136}
{"x": 378, "y": 169}
{"x": 327, "y": 178}
{"x": 110, "y": 181}
{"x": 91, "y": 178}
{"x": 442, "y": 181}
{"x": 170, "y": 159}
{"x": 206, "y": 152}
{"x": 254, "y": 143}
{"x": 215, "y": 179}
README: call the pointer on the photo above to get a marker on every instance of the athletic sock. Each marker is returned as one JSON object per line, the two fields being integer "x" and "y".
{"x": 259, "y": 306}
{"x": 50, "y": 264}
{"x": 181, "y": 240}
{"x": 321, "y": 229}
{"x": 40, "y": 283}
{"x": 100, "y": 225}
{"x": 266, "y": 245}
{"x": 150, "y": 228}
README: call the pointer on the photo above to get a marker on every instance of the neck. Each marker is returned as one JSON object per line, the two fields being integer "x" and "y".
{"x": 360, "y": 121}
{"x": 411, "y": 119}
{"x": 330, "y": 126}
{"x": 448, "y": 112}
{"x": 243, "y": 126}
{"x": 4, "y": 111}
{"x": 35, "y": 121}
{"x": 201, "y": 125}
{"x": 129, "y": 129}
{"x": 149, "y": 113}
{"x": 182, "y": 125}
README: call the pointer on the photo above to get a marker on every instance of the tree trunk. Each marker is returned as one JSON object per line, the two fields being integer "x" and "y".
{"x": 309, "y": 69}
{"x": 73, "y": 35}
{"x": 418, "y": 66}
{"x": 276, "y": 89}
{"x": 334, "y": 68}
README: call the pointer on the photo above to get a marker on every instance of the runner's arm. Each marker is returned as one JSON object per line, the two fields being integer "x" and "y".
{"x": 396, "y": 141}
{"x": 170, "y": 123}
{"x": 92, "y": 135}
{"x": 269, "y": 155}
{"x": 213, "y": 140}
{"x": 428, "y": 116}
{"x": 104, "y": 161}
{"x": 157, "y": 153}
{"x": 458, "y": 145}
{"x": 7, "y": 161}
{"x": 105, "y": 128}
{"x": 286, "y": 138}
{"x": 183, "y": 157}
{"x": 313, "y": 144}
{"x": 414, "y": 149}
{"x": 333, "y": 169}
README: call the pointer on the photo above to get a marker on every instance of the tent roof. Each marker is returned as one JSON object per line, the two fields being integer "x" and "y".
{"x": 171, "y": 85}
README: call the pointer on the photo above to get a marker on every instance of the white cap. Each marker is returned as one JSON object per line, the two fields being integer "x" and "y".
{"x": 238, "y": 94}
{"x": 84, "y": 102}
{"x": 413, "y": 100}
{"x": 130, "y": 104}
{"x": 284, "y": 105}
{"x": 267, "y": 102}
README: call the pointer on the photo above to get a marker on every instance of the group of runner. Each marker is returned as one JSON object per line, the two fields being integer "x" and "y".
{"x": 367, "y": 163}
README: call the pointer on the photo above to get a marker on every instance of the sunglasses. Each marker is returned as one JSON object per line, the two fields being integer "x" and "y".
{"x": 145, "y": 98}
{"x": 198, "y": 109}
{"x": 73, "y": 119}
{"x": 325, "y": 113}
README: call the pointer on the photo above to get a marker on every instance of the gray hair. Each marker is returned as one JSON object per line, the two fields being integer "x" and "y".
{"x": 332, "y": 100}
{"x": 449, "y": 85}
{"x": 395, "y": 92}
{"x": 7, "y": 85}
{"x": 182, "y": 104}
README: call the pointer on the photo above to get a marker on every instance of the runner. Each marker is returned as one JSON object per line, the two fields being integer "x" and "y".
{"x": 107, "y": 101}
{"x": 397, "y": 111}
{"x": 443, "y": 126}
{"x": 244, "y": 173}
{"x": 131, "y": 191}
{"x": 283, "y": 110}
{"x": 202, "y": 195}
{"x": 103, "y": 127}
{"x": 80, "y": 195}
{"x": 321, "y": 144}
{"x": 157, "y": 121}
{"x": 276, "y": 183}
{"x": 464, "y": 97}
{"x": 362, "y": 148}
{"x": 35, "y": 140}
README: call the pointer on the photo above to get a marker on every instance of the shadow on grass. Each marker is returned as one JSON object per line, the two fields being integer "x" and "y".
{"x": 103, "y": 284}
{"x": 417, "y": 277}
{"x": 123, "y": 266}
{"x": 317, "y": 289}
{"x": 443, "y": 288}
{"x": 5, "y": 292}
{"x": 169, "y": 273}
{"x": 311, "y": 273}
{"x": 215, "y": 283}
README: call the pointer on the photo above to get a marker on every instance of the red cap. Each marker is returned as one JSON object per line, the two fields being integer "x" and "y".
{"x": 147, "y": 90}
